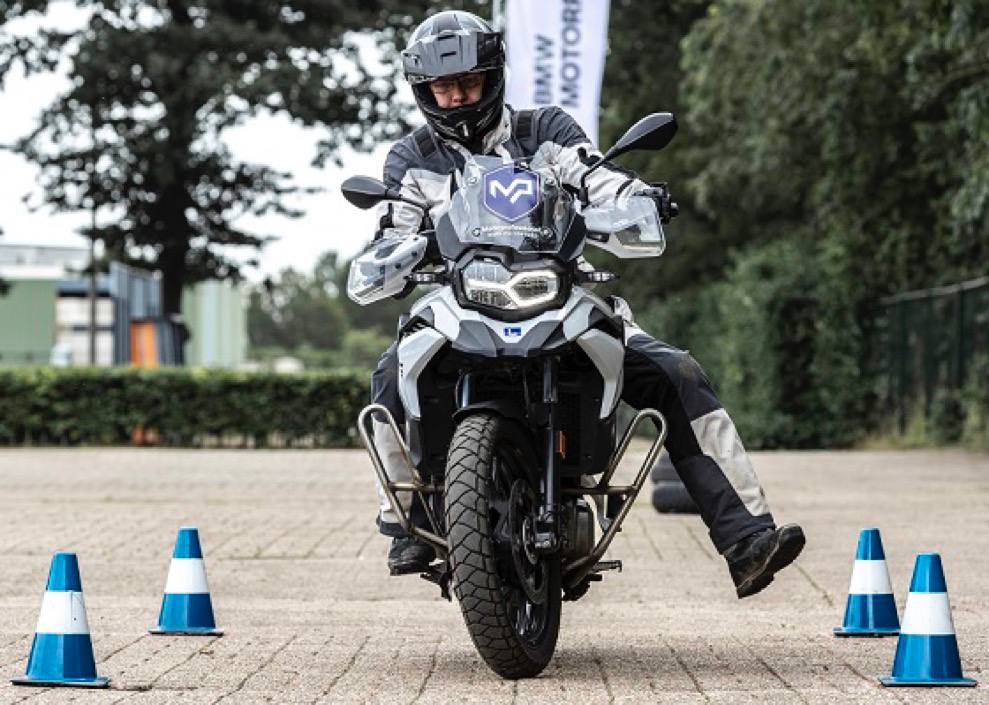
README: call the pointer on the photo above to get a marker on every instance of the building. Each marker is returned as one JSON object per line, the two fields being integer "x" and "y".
{"x": 45, "y": 317}
{"x": 216, "y": 314}
{"x": 27, "y": 316}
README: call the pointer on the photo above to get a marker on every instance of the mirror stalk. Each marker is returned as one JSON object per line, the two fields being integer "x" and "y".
{"x": 582, "y": 194}
{"x": 393, "y": 195}
{"x": 653, "y": 132}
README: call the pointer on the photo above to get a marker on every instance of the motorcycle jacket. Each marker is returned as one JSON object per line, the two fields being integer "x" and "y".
{"x": 427, "y": 168}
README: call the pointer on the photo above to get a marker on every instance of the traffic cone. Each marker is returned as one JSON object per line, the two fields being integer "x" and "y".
{"x": 186, "y": 607}
{"x": 927, "y": 651}
{"x": 62, "y": 651}
{"x": 870, "y": 610}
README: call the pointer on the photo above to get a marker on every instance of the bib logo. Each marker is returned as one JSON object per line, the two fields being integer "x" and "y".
{"x": 511, "y": 192}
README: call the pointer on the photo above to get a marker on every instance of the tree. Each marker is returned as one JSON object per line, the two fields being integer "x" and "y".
{"x": 309, "y": 316}
{"x": 854, "y": 123}
{"x": 853, "y": 132}
{"x": 830, "y": 153}
{"x": 296, "y": 310}
{"x": 643, "y": 75}
{"x": 155, "y": 83}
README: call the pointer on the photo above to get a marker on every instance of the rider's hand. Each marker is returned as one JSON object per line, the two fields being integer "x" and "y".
{"x": 386, "y": 222}
{"x": 667, "y": 207}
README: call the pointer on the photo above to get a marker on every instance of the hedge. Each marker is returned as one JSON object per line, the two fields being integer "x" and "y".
{"x": 765, "y": 335}
{"x": 179, "y": 407}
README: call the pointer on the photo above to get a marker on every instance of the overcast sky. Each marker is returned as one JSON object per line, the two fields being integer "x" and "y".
{"x": 330, "y": 223}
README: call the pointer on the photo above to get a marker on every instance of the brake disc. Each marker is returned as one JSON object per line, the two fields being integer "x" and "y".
{"x": 529, "y": 568}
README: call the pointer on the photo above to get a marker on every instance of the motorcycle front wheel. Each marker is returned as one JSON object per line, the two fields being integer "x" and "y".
{"x": 510, "y": 598}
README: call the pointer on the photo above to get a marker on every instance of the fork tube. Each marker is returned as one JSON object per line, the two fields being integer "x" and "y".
{"x": 547, "y": 525}
{"x": 464, "y": 388}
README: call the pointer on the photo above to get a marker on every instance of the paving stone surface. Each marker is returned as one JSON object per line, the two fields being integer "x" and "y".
{"x": 299, "y": 583}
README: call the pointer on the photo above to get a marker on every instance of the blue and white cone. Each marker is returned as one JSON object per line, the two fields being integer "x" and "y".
{"x": 186, "y": 607}
{"x": 62, "y": 651}
{"x": 927, "y": 650}
{"x": 870, "y": 610}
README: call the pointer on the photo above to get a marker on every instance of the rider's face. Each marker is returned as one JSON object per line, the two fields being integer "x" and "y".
{"x": 454, "y": 91}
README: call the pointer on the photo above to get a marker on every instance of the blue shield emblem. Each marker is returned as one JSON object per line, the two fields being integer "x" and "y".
{"x": 511, "y": 192}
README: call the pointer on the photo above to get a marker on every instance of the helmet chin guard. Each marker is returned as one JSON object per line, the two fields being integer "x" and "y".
{"x": 451, "y": 43}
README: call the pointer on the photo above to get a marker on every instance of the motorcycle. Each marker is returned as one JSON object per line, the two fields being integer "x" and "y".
{"x": 510, "y": 373}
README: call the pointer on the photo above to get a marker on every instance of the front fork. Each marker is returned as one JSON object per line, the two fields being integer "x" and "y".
{"x": 620, "y": 498}
{"x": 547, "y": 530}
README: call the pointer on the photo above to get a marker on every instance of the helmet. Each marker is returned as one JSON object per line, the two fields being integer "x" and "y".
{"x": 450, "y": 43}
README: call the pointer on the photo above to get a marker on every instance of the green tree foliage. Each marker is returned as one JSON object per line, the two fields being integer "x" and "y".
{"x": 643, "y": 75}
{"x": 754, "y": 333}
{"x": 873, "y": 113}
{"x": 310, "y": 317}
{"x": 153, "y": 85}
{"x": 830, "y": 153}
{"x": 297, "y": 309}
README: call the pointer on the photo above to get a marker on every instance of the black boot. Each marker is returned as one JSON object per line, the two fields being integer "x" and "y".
{"x": 753, "y": 560}
{"x": 409, "y": 555}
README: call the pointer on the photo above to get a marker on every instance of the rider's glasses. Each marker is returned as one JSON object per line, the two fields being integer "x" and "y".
{"x": 466, "y": 82}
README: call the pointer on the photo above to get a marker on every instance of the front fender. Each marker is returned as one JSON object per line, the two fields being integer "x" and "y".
{"x": 503, "y": 407}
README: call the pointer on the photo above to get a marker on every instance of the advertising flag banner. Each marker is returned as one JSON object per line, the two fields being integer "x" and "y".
{"x": 556, "y": 54}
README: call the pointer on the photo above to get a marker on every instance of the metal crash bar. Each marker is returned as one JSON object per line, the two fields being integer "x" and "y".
{"x": 578, "y": 570}
{"x": 417, "y": 486}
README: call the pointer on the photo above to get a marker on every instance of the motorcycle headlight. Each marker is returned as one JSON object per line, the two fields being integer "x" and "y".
{"x": 488, "y": 283}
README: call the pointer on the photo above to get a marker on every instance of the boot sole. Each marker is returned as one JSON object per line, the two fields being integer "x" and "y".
{"x": 789, "y": 543}
{"x": 410, "y": 568}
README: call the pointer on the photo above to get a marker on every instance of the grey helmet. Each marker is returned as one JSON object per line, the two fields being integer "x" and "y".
{"x": 450, "y": 43}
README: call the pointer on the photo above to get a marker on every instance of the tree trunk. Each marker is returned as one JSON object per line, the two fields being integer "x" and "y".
{"x": 172, "y": 266}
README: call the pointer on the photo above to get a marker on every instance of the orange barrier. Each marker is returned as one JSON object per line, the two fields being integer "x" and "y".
{"x": 143, "y": 344}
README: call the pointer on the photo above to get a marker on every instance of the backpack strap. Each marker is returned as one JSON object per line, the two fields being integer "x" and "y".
{"x": 424, "y": 141}
{"x": 524, "y": 129}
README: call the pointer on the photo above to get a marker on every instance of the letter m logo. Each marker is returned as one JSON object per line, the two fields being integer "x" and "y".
{"x": 511, "y": 192}
{"x": 519, "y": 187}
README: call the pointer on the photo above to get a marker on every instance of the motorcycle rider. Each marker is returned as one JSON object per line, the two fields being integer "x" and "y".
{"x": 455, "y": 63}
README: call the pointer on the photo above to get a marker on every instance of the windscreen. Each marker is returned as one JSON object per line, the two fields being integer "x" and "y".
{"x": 511, "y": 205}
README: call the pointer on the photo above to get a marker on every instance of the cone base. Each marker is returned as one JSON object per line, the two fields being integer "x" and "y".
{"x": 851, "y": 631}
{"x": 100, "y": 682}
{"x": 162, "y": 631}
{"x": 927, "y": 682}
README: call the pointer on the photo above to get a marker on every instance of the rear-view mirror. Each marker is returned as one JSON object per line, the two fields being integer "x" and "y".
{"x": 653, "y": 132}
{"x": 364, "y": 192}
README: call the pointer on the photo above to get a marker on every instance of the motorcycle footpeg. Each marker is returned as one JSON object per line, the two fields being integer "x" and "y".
{"x": 602, "y": 566}
{"x": 575, "y": 592}
{"x": 439, "y": 574}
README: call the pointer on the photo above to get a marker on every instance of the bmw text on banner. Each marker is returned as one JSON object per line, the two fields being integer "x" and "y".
{"x": 556, "y": 54}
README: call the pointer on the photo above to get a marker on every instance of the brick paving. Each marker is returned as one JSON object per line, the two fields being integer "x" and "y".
{"x": 299, "y": 583}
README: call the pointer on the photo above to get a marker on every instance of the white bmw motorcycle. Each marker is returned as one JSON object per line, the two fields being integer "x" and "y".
{"x": 510, "y": 373}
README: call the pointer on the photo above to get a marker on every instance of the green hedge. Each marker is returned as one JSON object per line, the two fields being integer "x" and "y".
{"x": 179, "y": 407}
{"x": 771, "y": 338}
{"x": 788, "y": 339}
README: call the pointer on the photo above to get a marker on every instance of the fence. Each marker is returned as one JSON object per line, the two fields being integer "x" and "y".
{"x": 932, "y": 339}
